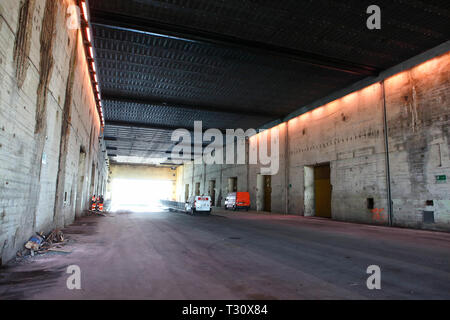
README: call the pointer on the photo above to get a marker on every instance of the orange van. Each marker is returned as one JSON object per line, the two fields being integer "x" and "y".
{"x": 237, "y": 200}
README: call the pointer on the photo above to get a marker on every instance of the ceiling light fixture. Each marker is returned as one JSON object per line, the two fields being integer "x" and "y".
{"x": 89, "y": 51}
{"x": 83, "y": 5}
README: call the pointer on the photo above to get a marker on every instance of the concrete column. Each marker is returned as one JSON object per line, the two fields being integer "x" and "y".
{"x": 309, "y": 198}
{"x": 286, "y": 168}
{"x": 259, "y": 192}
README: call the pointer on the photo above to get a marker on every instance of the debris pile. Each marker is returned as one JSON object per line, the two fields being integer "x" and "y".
{"x": 95, "y": 213}
{"x": 42, "y": 244}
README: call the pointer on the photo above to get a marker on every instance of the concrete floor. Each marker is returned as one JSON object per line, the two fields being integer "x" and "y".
{"x": 170, "y": 255}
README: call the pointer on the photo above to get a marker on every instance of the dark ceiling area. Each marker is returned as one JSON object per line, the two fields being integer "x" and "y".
{"x": 239, "y": 64}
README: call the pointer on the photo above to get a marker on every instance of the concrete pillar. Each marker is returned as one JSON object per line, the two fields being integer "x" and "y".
{"x": 309, "y": 198}
{"x": 259, "y": 192}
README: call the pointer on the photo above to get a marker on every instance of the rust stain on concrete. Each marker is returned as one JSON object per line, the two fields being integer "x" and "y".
{"x": 23, "y": 40}
{"x": 46, "y": 62}
{"x": 65, "y": 132}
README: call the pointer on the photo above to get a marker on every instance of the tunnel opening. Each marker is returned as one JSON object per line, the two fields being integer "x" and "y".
{"x": 139, "y": 195}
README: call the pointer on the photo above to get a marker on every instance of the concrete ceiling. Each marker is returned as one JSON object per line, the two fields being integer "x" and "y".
{"x": 239, "y": 63}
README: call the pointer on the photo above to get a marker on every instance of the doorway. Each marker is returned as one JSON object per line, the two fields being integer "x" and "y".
{"x": 197, "y": 189}
{"x": 80, "y": 183}
{"x": 317, "y": 191}
{"x": 212, "y": 191}
{"x": 232, "y": 184}
{"x": 322, "y": 189}
{"x": 186, "y": 192}
{"x": 92, "y": 181}
{"x": 263, "y": 193}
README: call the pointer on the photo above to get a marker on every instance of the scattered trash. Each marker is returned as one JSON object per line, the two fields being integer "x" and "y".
{"x": 55, "y": 236}
{"x": 34, "y": 242}
{"x": 42, "y": 244}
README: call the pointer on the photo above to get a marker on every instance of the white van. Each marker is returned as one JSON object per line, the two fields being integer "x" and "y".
{"x": 198, "y": 204}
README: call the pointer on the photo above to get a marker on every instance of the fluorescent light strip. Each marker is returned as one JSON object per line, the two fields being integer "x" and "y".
{"x": 83, "y": 5}
{"x": 91, "y": 52}
{"x": 88, "y": 33}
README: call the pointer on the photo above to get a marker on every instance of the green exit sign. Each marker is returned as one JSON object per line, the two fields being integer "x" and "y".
{"x": 441, "y": 178}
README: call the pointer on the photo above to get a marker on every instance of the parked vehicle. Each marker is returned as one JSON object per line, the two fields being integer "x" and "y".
{"x": 198, "y": 204}
{"x": 237, "y": 200}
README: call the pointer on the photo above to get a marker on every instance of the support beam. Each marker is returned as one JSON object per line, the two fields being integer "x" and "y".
{"x": 167, "y": 152}
{"x": 174, "y": 104}
{"x": 108, "y": 138}
{"x": 150, "y": 126}
{"x": 185, "y": 33}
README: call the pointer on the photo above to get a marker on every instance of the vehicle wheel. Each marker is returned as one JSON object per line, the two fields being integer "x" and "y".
{"x": 234, "y": 208}
{"x": 246, "y": 209}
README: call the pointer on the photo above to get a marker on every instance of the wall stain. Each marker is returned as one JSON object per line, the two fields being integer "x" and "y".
{"x": 416, "y": 142}
{"x": 65, "y": 133}
{"x": 46, "y": 62}
{"x": 23, "y": 40}
{"x": 47, "y": 39}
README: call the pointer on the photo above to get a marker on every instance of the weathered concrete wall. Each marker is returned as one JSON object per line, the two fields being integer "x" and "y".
{"x": 419, "y": 142}
{"x": 144, "y": 172}
{"x": 49, "y": 127}
{"x": 348, "y": 133}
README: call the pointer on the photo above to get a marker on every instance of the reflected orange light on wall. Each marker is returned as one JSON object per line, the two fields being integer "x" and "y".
{"x": 428, "y": 66}
{"x": 370, "y": 90}
{"x": 396, "y": 79}
{"x": 349, "y": 98}
{"x": 318, "y": 111}
{"x": 332, "y": 106}
{"x": 293, "y": 123}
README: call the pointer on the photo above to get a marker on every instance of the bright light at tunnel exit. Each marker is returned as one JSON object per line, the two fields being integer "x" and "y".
{"x": 139, "y": 195}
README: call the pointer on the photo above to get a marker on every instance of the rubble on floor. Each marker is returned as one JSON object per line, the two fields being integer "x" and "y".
{"x": 42, "y": 244}
{"x": 95, "y": 213}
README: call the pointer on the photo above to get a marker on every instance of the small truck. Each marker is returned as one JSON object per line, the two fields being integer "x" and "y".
{"x": 198, "y": 204}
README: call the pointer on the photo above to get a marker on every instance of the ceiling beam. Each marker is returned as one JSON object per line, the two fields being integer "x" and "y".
{"x": 168, "y": 30}
{"x": 151, "y": 126}
{"x": 173, "y": 104}
{"x": 153, "y": 150}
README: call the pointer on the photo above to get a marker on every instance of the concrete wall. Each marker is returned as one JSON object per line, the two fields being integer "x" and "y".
{"x": 348, "y": 133}
{"x": 50, "y": 152}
